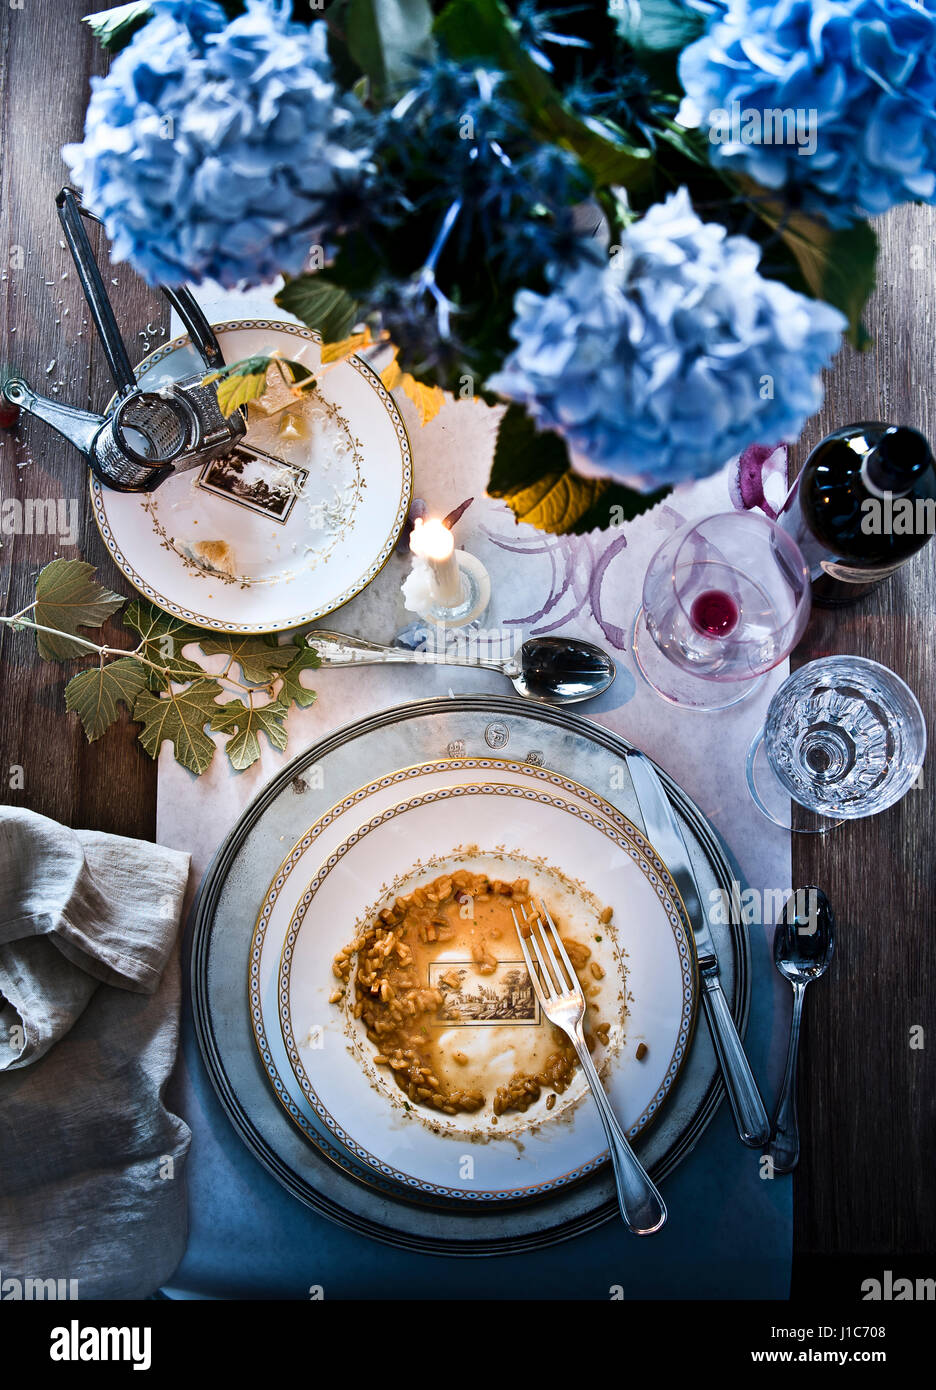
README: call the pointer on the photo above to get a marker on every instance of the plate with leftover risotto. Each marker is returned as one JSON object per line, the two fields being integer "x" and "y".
{"x": 298, "y": 519}
{"x": 410, "y": 1027}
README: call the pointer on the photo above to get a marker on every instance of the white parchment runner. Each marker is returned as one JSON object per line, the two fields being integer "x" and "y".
{"x": 705, "y": 753}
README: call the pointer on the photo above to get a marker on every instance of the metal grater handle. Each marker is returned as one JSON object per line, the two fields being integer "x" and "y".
{"x": 70, "y": 215}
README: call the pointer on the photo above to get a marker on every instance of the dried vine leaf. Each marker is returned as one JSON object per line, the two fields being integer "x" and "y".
{"x": 179, "y": 717}
{"x": 162, "y": 638}
{"x": 94, "y": 694}
{"x": 293, "y": 691}
{"x": 68, "y": 597}
{"x": 246, "y": 722}
{"x": 260, "y": 662}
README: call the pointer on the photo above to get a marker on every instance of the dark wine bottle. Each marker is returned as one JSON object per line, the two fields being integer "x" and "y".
{"x": 863, "y": 503}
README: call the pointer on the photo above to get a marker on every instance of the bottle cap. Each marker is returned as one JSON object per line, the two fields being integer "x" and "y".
{"x": 900, "y": 456}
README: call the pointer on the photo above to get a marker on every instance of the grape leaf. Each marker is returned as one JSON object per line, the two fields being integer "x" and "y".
{"x": 179, "y": 717}
{"x": 531, "y": 473}
{"x": 292, "y": 690}
{"x": 162, "y": 639}
{"x": 68, "y": 597}
{"x": 259, "y": 662}
{"x": 327, "y": 308}
{"x": 94, "y": 694}
{"x": 246, "y": 723}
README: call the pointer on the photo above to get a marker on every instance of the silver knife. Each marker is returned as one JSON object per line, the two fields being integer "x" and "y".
{"x": 665, "y": 833}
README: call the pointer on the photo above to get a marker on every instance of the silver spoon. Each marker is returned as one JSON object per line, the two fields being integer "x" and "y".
{"x": 803, "y": 945}
{"x": 557, "y": 670}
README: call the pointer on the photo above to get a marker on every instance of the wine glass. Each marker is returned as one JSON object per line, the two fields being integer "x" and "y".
{"x": 844, "y": 738}
{"x": 725, "y": 599}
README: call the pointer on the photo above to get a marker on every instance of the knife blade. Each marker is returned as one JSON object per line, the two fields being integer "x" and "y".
{"x": 664, "y": 832}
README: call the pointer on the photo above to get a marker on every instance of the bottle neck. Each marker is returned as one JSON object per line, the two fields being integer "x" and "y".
{"x": 893, "y": 467}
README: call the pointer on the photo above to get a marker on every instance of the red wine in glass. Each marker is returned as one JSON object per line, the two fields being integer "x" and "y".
{"x": 714, "y": 613}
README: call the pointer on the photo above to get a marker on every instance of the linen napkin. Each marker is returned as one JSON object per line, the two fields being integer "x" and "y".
{"x": 92, "y": 1161}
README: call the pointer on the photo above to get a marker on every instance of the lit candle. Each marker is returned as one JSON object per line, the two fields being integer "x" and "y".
{"x": 433, "y": 542}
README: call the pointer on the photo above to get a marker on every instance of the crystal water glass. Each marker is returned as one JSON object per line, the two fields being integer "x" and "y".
{"x": 845, "y": 737}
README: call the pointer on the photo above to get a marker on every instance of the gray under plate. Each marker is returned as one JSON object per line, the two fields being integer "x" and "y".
{"x": 226, "y": 911}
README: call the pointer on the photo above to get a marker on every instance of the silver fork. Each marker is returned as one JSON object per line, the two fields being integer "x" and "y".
{"x": 563, "y": 1002}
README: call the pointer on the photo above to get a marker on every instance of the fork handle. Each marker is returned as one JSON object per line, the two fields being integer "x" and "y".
{"x": 641, "y": 1205}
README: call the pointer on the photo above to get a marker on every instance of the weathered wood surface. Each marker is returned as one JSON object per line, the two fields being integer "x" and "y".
{"x": 46, "y": 58}
{"x": 868, "y": 1101}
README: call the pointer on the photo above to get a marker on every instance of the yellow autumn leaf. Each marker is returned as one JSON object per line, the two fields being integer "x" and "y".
{"x": 391, "y": 374}
{"x": 334, "y": 352}
{"x": 429, "y": 400}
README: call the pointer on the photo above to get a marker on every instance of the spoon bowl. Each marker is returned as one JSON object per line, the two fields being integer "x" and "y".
{"x": 804, "y": 939}
{"x": 560, "y": 670}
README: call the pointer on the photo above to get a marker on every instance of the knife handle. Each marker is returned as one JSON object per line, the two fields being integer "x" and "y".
{"x": 743, "y": 1095}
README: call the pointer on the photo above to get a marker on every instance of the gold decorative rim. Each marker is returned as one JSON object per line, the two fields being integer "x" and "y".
{"x": 97, "y": 491}
{"x": 626, "y": 833}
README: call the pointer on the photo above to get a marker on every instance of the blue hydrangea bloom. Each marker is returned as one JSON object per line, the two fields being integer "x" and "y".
{"x": 858, "y": 75}
{"x": 666, "y": 362}
{"x": 221, "y": 150}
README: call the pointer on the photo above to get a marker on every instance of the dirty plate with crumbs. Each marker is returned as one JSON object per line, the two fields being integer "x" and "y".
{"x": 296, "y": 520}
{"x": 406, "y": 1014}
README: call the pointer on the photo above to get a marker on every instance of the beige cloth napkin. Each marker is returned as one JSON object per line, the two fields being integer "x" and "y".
{"x": 91, "y": 1161}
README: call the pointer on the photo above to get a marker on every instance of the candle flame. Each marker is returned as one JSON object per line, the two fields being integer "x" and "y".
{"x": 431, "y": 540}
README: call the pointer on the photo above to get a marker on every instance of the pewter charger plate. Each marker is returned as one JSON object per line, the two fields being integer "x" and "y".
{"x": 226, "y": 912}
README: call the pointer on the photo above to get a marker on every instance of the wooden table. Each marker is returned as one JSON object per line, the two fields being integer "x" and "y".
{"x": 867, "y": 1099}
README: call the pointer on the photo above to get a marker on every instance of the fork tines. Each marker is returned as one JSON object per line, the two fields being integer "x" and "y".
{"x": 552, "y": 980}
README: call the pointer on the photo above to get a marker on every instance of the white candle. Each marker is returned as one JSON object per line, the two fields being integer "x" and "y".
{"x": 433, "y": 542}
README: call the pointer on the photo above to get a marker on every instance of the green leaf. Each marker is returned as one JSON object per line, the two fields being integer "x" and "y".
{"x": 67, "y": 597}
{"x": 162, "y": 639}
{"x": 239, "y": 388}
{"x": 658, "y": 25}
{"x": 179, "y": 717}
{"x": 837, "y": 265}
{"x": 532, "y": 474}
{"x": 293, "y": 691}
{"x": 115, "y": 28}
{"x": 260, "y": 662}
{"x": 94, "y": 694}
{"x": 246, "y": 723}
{"x": 384, "y": 36}
{"x": 328, "y": 309}
{"x": 484, "y": 29}
{"x": 297, "y": 371}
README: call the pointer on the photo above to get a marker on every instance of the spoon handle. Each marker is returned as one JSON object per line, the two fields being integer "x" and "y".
{"x": 785, "y": 1145}
{"x": 340, "y": 649}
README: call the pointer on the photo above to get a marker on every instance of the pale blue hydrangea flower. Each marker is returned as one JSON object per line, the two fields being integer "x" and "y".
{"x": 858, "y": 75}
{"x": 221, "y": 150}
{"x": 665, "y": 363}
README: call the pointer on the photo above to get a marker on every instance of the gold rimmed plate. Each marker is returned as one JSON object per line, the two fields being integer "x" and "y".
{"x": 581, "y": 854}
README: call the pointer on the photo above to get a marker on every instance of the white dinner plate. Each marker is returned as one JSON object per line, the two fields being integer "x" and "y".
{"x": 266, "y": 543}
{"x": 556, "y": 833}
